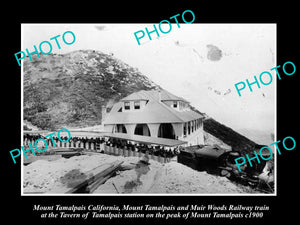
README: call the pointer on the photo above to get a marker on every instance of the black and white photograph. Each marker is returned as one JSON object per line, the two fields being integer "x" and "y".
{"x": 109, "y": 112}
{"x": 150, "y": 113}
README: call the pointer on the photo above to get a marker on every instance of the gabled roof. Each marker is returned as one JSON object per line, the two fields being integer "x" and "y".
{"x": 153, "y": 112}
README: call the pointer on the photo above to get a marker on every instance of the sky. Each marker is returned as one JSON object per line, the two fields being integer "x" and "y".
{"x": 199, "y": 62}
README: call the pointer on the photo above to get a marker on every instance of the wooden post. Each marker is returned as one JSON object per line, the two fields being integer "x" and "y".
{"x": 112, "y": 150}
{"x": 158, "y": 158}
{"x": 121, "y": 151}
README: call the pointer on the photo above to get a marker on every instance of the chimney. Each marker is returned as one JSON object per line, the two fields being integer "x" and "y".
{"x": 159, "y": 95}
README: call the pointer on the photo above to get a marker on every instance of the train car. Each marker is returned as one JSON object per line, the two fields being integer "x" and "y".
{"x": 219, "y": 161}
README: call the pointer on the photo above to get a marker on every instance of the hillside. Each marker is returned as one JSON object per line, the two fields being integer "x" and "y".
{"x": 70, "y": 89}
{"x": 230, "y": 137}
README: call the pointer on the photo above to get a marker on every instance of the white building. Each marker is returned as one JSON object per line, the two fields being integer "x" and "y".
{"x": 155, "y": 113}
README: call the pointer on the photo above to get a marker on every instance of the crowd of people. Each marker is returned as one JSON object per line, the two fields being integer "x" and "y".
{"x": 92, "y": 142}
{"x": 151, "y": 149}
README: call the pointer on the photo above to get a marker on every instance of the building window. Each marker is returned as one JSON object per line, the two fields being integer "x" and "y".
{"x": 166, "y": 130}
{"x": 126, "y": 105}
{"x": 120, "y": 128}
{"x": 175, "y": 104}
{"x": 192, "y": 125}
{"x": 184, "y": 129}
{"x": 142, "y": 129}
{"x": 137, "y": 105}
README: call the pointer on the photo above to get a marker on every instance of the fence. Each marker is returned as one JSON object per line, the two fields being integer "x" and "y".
{"x": 101, "y": 148}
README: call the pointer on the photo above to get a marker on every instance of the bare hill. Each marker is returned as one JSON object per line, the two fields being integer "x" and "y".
{"x": 230, "y": 137}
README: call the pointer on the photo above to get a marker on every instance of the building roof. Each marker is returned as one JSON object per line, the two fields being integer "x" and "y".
{"x": 146, "y": 139}
{"x": 153, "y": 112}
{"x": 153, "y": 95}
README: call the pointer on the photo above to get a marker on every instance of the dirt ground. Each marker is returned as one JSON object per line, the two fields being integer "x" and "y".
{"x": 44, "y": 176}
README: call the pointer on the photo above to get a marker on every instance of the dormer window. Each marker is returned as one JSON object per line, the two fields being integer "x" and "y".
{"x": 137, "y": 105}
{"x": 174, "y": 104}
{"x": 127, "y": 105}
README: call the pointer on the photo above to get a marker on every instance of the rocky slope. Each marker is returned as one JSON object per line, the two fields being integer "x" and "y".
{"x": 70, "y": 89}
